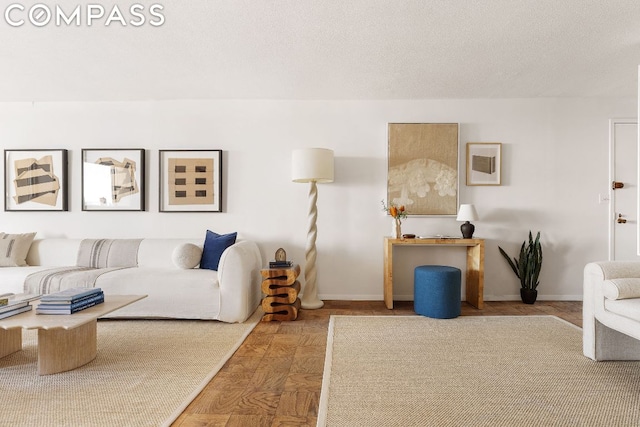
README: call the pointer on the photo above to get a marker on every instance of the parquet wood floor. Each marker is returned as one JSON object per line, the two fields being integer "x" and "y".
{"x": 275, "y": 377}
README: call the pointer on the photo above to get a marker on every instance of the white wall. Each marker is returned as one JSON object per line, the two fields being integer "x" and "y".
{"x": 554, "y": 166}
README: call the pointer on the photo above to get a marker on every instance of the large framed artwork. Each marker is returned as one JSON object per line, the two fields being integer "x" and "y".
{"x": 35, "y": 180}
{"x": 484, "y": 163}
{"x": 190, "y": 180}
{"x": 113, "y": 179}
{"x": 423, "y": 167}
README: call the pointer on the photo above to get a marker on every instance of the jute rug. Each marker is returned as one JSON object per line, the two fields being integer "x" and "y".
{"x": 470, "y": 371}
{"x": 145, "y": 374}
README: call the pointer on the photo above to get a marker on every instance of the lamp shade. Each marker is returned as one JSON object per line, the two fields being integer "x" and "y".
{"x": 312, "y": 164}
{"x": 467, "y": 213}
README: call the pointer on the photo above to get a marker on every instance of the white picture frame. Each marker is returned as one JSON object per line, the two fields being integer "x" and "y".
{"x": 484, "y": 163}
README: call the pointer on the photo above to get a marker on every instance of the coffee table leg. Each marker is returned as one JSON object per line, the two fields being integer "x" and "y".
{"x": 10, "y": 341}
{"x": 62, "y": 350}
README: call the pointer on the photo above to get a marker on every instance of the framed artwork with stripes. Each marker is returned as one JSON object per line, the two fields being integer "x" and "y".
{"x": 113, "y": 179}
{"x": 190, "y": 180}
{"x": 35, "y": 180}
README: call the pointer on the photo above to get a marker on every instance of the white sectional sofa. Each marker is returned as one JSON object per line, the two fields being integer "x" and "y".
{"x": 230, "y": 294}
{"x": 611, "y": 310}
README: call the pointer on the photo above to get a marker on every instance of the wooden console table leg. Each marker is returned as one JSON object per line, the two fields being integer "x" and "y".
{"x": 62, "y": 350}
{"x": 475, "y": 275}
{"x": 10, "y": 341}
{"x": 388, "y": 274}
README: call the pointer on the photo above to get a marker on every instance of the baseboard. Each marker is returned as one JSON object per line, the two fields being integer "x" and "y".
{"x": 541, "y": 297}
{"x": 514, "y": 297}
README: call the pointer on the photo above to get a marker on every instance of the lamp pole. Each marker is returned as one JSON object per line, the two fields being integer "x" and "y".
{"x": 309, "y": 297}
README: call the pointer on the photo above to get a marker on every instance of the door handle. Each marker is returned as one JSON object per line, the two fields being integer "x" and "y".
{"x": 616, "y": 185}
{"x": 621, "y": 220}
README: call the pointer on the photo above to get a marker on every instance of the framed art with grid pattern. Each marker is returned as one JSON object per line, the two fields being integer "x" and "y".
{"x": 190, "y": 180}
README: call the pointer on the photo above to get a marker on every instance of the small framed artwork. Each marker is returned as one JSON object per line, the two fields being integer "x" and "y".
{"x": 35, "y": 180}
{"x": 422, "y": 172}
{"x": 113, "y": 179}
{"x": 190, "y": 180}
{"x": 484, "y": 163}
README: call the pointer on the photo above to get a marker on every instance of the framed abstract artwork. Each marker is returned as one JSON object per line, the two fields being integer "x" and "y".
{"x": 35, "y": 180}
{"x": 422, "y": 170}
{"x": 484, "y": 163}
{"x": 113, "y": 179}
{"x": 190, "y": 180}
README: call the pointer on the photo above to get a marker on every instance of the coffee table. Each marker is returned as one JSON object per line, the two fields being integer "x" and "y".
{"x": 65, "y": 341}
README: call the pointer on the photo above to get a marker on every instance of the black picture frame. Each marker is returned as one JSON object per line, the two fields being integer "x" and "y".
{"x": 35, "y": 180}
{"x": 190, "y": 181}
{"x": 113, "y": 179}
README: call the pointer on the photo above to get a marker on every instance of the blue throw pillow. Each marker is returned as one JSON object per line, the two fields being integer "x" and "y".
{"x": 214, "y": 245}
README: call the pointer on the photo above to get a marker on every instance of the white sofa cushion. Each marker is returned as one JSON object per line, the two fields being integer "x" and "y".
{"x": 159, "y": 252}
{"x": 14, "y": 249}
{"x": 184, "y": 294}
{"x": 55, "y": 252}
{"x": 621, "y": 288}
{"x": 629, "y": 308}
{"x": 12, "y": 279}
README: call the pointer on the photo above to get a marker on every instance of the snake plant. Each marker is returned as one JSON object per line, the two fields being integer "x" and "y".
{"x": 528, "y": 266}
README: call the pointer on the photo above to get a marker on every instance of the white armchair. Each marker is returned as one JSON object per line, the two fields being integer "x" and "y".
{"x": 611, "y": 310}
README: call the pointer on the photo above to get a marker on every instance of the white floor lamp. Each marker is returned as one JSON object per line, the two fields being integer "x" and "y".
{"x": 311, "y": 165}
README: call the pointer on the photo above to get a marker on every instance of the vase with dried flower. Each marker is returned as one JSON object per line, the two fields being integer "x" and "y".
{"x": 398, "y": 213}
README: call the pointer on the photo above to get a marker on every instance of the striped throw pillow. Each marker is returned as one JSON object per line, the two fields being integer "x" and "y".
{"x": 14, "y": 249}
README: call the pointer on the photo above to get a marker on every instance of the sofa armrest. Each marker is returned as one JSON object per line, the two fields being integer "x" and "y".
{"x": 607, "y": 336}
{"x": 595, "y": 273}
{"x": 239, "y": 279}
{"x": 607, "y": 270}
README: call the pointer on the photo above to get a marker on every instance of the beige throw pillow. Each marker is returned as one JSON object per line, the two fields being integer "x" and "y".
{"x": 186, "y": 256}
{"x": 14, "y": 249}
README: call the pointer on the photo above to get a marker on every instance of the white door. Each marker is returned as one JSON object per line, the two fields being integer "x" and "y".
{"x": 623, "y": 213}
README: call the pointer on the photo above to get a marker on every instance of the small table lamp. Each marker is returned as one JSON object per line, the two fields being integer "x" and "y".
{"x": 311, "y": 165}
{"x": 467, "y": 213}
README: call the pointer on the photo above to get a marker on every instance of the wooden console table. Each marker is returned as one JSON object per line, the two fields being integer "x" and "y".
{"x": 475, "y": 265}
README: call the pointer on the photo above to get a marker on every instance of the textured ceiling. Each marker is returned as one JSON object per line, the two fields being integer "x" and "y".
{"x": 327, "y": 49}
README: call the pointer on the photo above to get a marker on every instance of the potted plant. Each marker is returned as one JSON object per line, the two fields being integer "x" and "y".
{"x": 527, "y": 267}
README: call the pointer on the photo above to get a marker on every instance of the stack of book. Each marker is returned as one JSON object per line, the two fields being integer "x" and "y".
{"x": 12, "y": 304}
{"x": 280, "y": 264}
{"x": 70, "y": 301}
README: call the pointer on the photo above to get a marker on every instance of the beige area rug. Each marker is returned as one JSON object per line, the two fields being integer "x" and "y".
{"x": 470, "y": 371}
{"x": 145, "y": 374}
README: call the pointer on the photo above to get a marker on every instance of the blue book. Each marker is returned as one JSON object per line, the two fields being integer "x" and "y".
{"x": 70, "y": 295}
{"x": 59, "y": 305}
{"x": 75, "y": 301}
{"x": 69, "y": 309}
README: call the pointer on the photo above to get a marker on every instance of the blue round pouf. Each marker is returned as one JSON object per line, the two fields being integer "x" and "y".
{"x": 436, "y": 291}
